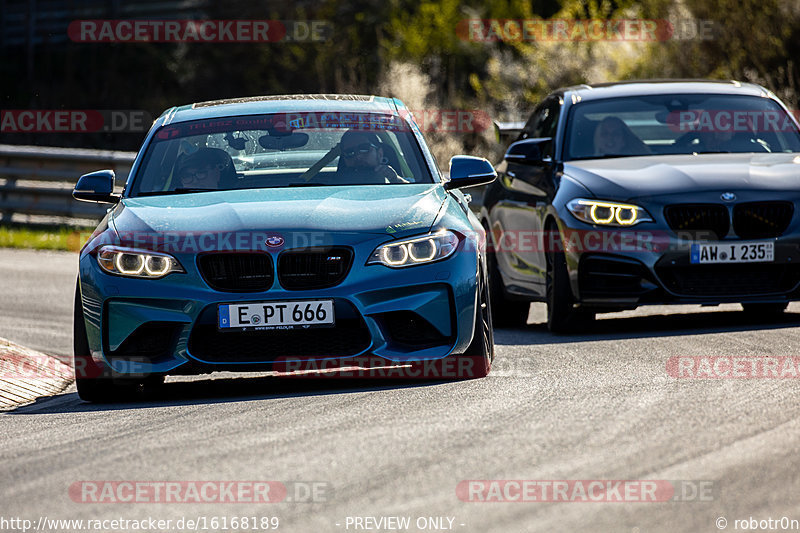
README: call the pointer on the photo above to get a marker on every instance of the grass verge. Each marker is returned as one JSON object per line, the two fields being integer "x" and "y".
{"x": 65, "y": 238}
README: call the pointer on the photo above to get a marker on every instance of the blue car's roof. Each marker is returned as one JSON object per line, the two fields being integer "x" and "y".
{"x": 655, "y": 87}
{"x": 282, "y": 104}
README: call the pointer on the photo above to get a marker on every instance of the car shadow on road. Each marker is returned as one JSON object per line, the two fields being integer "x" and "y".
{"x": 207, "y": 390}
{"x": 664, "y": 325}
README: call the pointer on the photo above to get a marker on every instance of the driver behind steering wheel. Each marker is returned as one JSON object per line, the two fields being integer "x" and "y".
{"x": 362, "y": 159}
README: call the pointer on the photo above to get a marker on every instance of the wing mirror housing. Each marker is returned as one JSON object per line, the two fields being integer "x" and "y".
{"x": 469, "y": 171}
{"x": 530, "y": 151}
{"x": 96, "y": 187}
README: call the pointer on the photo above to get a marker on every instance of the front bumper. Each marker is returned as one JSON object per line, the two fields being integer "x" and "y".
{"x": 657, "y": 270}
{"x": 138, "y": 326}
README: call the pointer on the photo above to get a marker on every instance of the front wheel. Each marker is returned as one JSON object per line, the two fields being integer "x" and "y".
{"x": 562, "y": 317}
{"x": 481, "y": 350}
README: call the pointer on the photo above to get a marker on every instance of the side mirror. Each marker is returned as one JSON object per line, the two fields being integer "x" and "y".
{"x": 96, "y": 187}
{"x": 530, "y": 151}
{"x": 468, "y": 171}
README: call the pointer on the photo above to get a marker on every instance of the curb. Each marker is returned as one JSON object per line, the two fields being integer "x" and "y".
{"x": 26, "y": 375}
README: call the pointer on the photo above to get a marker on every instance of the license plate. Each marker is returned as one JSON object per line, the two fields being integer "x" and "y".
{"x": 276, "y": 315}
{"x": 734, "y": 252}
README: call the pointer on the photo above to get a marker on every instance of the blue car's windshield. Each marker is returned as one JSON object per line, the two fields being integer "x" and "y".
{"x": 281, "y": 150}
{"x": 678, "y": 124}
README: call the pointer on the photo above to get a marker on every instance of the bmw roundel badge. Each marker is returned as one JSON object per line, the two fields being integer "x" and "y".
{"x": 274, "y": 241}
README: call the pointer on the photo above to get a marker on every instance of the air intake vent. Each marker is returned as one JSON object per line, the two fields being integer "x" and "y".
{"x": 729, "y": 280}
{"x": 350, "y": 336}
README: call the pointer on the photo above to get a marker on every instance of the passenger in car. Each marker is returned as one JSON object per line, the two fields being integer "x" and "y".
{"x": 613, "y": 137}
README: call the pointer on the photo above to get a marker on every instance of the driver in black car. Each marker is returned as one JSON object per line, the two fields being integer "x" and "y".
{"x": 710, "y": 139}
{"x": 728, "y": 141}
{"x": 362, "y": 159}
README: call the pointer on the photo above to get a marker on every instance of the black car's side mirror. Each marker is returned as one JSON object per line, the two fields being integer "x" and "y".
{"x": 96, "y": 187}
{"x": 530, "y": 151}
{"x": 468, "y": 171}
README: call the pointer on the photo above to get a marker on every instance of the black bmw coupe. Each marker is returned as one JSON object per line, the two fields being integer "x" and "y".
{"x": 620, "y": 195}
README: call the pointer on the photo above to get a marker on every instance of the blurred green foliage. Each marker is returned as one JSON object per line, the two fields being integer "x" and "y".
{"x": 751, "y": 40}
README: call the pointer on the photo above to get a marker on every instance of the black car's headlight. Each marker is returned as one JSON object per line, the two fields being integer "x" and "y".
{"x": 416, "y": 251}
{"x": 605, "y": 213}
{"x": 135, "y": 263}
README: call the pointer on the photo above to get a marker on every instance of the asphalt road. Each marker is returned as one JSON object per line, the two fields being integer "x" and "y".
{"x": 595, "y": 406}
{"x": 36, "y": 303}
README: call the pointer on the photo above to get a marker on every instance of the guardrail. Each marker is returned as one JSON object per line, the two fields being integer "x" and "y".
{"x": 38, "y": 180}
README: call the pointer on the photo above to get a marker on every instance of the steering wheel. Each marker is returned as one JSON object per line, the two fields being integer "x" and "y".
{"x": 687, "y": 139}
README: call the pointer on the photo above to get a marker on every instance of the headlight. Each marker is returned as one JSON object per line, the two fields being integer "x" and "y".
{"x": 431, "y": 247}
{"x": 136, "y": 263}
{"x": 607, "y": 213}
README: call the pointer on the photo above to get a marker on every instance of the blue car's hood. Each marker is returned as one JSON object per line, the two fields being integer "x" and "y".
{"x": 381, "y": 209}
{"x": 636, "y": 177}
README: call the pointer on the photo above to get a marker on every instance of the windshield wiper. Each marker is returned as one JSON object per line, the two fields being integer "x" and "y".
{"x": 308, "y": 184}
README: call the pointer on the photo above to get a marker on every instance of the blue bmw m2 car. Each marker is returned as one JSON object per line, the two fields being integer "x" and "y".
{"x": 277, "y": 231}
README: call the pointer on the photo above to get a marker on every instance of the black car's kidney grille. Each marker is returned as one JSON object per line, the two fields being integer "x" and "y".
{"x": 314, "y": 268}
{"x": 237, "y": 272}
{"x": 700, "y": 221}
{"x": 762, "y": 220}
{"x": 729, "y": 280}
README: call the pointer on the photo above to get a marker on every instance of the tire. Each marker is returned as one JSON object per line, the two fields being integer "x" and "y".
{"x": 505, "y": 312}
{"x": 562, "y": 317}
{"x": 481, "y": 349}
{"x": 95, "y": 381}
{"x": 765, "y": 310}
